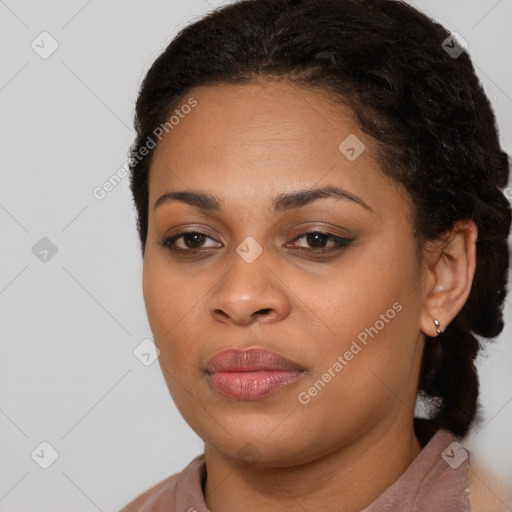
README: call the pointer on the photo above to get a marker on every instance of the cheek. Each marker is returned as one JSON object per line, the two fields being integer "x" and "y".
{"x": 176, "y": 309}
{"x": 169, "y": 308}
{"x": 370, "y": 312}
{"x": 167, "y": 300}
{"x": 355, "y": 296}
{"x": 158, "y": 292}
{"x": 167, "y": 295}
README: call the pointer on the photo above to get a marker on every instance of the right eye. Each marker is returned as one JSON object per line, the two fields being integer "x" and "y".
{"x": 186, "y": 241}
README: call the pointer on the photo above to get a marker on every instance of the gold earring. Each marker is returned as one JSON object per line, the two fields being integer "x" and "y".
{"x": 437, "y": 324}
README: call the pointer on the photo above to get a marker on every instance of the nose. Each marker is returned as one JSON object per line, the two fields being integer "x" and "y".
{"x": 249, "y": 293}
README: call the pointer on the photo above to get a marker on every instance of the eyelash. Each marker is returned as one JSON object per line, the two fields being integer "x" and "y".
{"x": 340, "y": 243}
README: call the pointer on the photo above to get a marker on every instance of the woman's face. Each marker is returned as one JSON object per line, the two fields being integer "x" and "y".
{"x": 329, "y": 281}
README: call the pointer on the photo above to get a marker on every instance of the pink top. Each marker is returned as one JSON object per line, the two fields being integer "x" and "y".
{"x": 436, "y": 480}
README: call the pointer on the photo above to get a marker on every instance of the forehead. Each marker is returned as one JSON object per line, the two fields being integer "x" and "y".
{"x": 276, "y": 113}
{"x": 270, "y": 136}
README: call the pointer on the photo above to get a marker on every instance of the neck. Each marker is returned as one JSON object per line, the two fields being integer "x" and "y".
{"x": 345, "y": 480}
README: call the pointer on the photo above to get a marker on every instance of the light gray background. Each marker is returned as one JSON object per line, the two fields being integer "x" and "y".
{"x": 70, "y": 324}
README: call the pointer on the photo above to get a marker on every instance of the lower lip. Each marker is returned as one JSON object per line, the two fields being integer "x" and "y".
{"x": 251, "y": 385}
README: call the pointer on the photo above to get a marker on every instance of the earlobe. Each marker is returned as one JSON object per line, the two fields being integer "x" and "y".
{"x": 450, "y": 268}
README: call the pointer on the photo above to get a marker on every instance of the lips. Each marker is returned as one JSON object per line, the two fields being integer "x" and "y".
{"x": 250, "y": 374}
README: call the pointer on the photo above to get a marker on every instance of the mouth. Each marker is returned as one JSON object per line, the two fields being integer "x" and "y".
{"x": 250, "y": 374}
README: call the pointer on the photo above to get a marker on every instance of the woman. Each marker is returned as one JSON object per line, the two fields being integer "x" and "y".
{"x": 319, "y": 194}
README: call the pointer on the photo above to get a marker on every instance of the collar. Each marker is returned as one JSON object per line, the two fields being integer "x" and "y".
{"x": 437, "y": 480}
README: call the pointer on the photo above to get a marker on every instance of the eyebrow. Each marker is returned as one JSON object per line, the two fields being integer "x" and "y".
{"x": 283, "y": 202}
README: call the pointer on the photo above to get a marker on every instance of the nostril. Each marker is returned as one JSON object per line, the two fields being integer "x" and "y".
{"x": 220, "y": 312}
{"x": 264, "y": 311}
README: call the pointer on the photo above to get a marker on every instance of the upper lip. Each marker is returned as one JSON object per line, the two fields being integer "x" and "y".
{"x": 247, "y": 360}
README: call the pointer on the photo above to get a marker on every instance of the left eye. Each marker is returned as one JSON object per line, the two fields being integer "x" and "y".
{"x": 318, "y": 240}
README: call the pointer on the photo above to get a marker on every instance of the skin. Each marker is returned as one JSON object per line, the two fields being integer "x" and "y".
{"x": 247, "y": 144}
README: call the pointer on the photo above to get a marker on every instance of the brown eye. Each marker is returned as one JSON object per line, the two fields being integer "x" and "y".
{"x": 193, "y": 240}
{"x": 318, "y": 240}
{"x": 187, "y": 241}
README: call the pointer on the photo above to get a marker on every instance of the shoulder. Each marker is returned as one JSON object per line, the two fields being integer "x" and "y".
{"x": 488, "y": 492}
{"x": 163, "y": 496}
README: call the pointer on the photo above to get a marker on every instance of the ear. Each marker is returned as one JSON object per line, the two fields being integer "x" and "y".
{"x": 449, "y": 269}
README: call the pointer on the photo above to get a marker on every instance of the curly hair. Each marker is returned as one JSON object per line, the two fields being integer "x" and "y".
{"x": 433, "y": 124}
